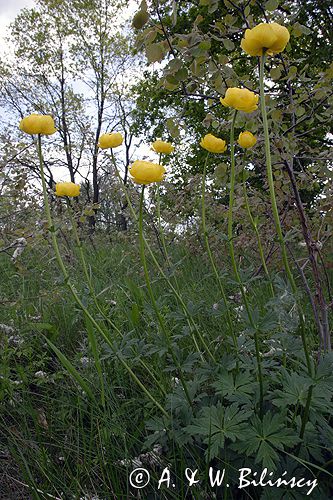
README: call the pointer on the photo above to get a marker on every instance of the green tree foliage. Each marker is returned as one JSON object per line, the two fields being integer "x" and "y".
{"x": 68, "y": 60}
{"x": 199, "y": 44}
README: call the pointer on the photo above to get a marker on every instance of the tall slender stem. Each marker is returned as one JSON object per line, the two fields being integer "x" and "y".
{"x": 153, "y": 301}
{"x": 271, "y": 179}
{"x": 233, "y": 259}
{"x": 275, "y": 209}
{"x": 210, "y": 255}
{"x": 72, "y": 288}
{"x": 159, "y": 223}
{"x": 255, "y": 228}
{"x": 191, "y": 323}
{"x": 85, "y": 268}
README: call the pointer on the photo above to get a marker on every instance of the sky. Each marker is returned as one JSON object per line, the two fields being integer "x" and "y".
{"x": 8, "y": 12}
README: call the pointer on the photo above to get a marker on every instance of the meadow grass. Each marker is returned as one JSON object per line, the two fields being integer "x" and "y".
{"x": 66, "y": 444}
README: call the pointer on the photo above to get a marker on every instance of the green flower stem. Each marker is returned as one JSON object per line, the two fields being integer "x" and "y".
{"x": 163, "y": 391}
{"x": 158, "y": 212}
{"x": 210, "y": 255}
{"x": 193, "y": 327}
{"x": 153, "y": 301}
{"x": 162, "y": 239}
{"x": 275, "y": 209}
{"x": 306, "y": 412}
{"x": 255, "y": 228}
{"x": 92, "y": 339}
{"x": 233, "y": 259}
{"x": 85, "y": 268}
{"x": 270, "y": 177}
{"x": 72, "y": 288}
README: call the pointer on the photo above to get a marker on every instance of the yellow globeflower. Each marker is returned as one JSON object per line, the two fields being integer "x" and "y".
{"x": 163, "y": 147}
{"x": 213, "y": 144}
{"x": 47, "y": 125}
{"x": 112, "y": 140}
{"x": 67, "y": 189}
{"x": 38, "y": 124}
{"x": 241, "y": 99}
{"x": 146, "y": 172}
{"x": 269, "y": 37}
{"x": 246, "y": 139}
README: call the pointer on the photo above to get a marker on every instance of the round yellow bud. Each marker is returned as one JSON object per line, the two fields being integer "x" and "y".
{"x": 246, "y": 139}
{"x": 146, "y": 172}
{"x": 241, "y": 99}
{"x": 163, "y": 147}
{"x": 38, "y": 124}
{"x": 112, "y": 140}
{"x": 213, "y": 144}
{"x": 67, "y": 189}
{"x": 270, "y": 38}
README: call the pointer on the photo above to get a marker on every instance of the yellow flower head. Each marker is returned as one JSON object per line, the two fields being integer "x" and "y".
{"x": 110, "y": 140}
{"x": 67, "y": 189}
{"x": 163, "y": 147}
{"x": 241, "y": 99}
{"x": 213, "y": 144}
{"x": 146, "y": 172}
{"x": 271, "y": 37}
{"x": 38, "y": 124}
{"x": 246, "y": 139}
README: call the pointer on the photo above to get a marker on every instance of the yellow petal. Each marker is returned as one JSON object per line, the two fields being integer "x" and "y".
{"x": 162, "y": 147}
{"x": 67, "y": 189}
{"x": 271, "y": 37}
{"x": 47, "y": 125}
{"x": 112, "y": 140}
{"x": 246, "y": 139}
{"x": 145, "y": 172}
{"x": 213, "y": 144}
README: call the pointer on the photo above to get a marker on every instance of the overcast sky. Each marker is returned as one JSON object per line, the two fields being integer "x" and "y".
{"x": 8, "y": 11}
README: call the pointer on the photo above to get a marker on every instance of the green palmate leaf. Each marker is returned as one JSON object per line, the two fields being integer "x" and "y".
{"x": 216, "y": 424}
{"x": 264, "y": 438}
{"x": 294, "y": 391}
{"x": 237, "y": 388}
{"x": 71, "y": 370}
{"x": 326, "y": 435}
{"x": 311, "y": 447}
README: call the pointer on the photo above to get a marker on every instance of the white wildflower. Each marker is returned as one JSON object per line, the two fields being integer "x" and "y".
{"x": 7, "y": 330}
{"x": 20, "y": 244}
{"x": 85, "y": 361}
{"x": 15, "y": 341}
